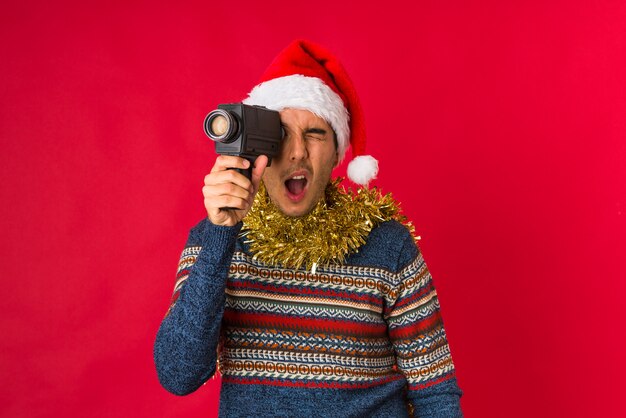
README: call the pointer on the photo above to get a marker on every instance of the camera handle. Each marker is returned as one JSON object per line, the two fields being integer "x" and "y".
{"x": 246, "y": 172}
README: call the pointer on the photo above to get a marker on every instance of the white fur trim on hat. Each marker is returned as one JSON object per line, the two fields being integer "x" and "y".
{"x": 363, "y": 169}
{"x": 307, "y": 93}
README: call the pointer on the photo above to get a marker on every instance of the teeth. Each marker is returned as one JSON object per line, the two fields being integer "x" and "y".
{"x": 297, "y": 177}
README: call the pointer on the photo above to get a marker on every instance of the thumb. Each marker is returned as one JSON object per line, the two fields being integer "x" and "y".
{"x": 258, "y": 170}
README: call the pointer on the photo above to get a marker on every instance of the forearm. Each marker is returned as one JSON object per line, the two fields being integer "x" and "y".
{"x": 185, "y": 349}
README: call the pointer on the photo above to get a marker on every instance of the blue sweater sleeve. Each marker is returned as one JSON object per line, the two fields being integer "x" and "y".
{"x": 185, "y": 350}
{"x": 419, "y": 338}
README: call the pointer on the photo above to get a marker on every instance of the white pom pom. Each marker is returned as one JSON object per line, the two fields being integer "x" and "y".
{"x": 363, "y": 169}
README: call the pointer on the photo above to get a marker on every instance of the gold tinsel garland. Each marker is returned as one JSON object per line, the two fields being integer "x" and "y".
{"x": 336, "y": 227}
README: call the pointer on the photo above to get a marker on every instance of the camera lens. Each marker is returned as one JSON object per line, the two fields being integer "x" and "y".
{"x": 221, "y": 126}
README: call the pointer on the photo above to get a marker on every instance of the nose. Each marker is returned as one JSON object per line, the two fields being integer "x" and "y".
{"x": 296, "y": 147}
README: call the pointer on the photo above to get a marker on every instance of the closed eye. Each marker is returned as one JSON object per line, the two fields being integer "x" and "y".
{"x": 315, "y": 133}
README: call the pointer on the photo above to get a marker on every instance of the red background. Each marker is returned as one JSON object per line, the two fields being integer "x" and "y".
{"x": 500, "y": 126}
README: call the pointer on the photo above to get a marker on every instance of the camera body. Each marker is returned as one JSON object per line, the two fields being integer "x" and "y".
{"x": 245, "y": 131}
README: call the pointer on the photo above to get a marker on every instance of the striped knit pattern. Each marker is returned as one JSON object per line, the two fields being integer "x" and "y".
{"x": 342, "y": 327}
{"x": 187, "y": 260}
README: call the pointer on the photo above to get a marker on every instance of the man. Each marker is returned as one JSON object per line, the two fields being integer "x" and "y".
{"x": 310, "y": 301}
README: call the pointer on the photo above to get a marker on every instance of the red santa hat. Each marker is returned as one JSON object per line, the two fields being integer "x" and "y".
{"x": 307, "y": 76}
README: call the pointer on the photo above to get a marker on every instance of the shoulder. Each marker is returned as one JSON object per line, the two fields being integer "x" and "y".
{"x": 389, "y": 245}
{"x": 389, "y": 230}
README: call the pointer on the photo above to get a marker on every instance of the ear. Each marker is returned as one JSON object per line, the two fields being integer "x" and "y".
{"x": 336, "y": 162}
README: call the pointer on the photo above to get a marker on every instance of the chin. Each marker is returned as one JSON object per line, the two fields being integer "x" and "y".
{"x": 295, "y": 210}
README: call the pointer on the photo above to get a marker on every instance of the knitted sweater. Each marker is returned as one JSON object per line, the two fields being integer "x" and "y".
{"x": 362, "y": 339}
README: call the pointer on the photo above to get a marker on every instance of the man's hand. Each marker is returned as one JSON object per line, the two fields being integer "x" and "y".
{"x": 225, "y": 188}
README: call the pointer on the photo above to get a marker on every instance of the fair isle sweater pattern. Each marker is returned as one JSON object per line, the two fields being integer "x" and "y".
{"x": 342, "y": 327}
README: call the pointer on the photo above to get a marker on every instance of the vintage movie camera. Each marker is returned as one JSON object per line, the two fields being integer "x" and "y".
{"x": 245, "y": 131}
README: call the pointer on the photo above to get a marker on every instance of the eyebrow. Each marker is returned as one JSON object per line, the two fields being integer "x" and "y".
{"x": 315, "y": 131}
{"x": 319, "y": 131}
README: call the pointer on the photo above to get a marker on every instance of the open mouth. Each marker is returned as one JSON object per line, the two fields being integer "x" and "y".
{"x": 296, "y": 185}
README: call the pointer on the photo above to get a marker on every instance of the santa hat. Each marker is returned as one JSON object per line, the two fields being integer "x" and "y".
{"x": 307, "y": 76}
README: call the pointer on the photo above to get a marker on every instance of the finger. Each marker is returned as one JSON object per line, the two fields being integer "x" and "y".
{"x": 224, "y": 162}
{"x": 226, "y": 201}
{"x": 226, "y": 189}
{"x": 228, "y": 176}
{"x": 257, "y": 172}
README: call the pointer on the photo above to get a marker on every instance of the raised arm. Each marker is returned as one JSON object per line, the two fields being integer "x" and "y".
{"x": 185, "y": 350}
